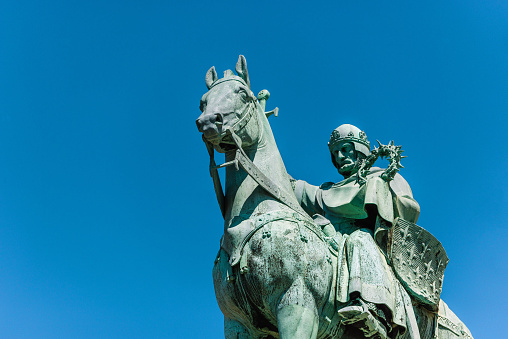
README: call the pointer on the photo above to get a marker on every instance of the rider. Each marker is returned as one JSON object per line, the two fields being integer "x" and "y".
{"x": 370, "y": 297}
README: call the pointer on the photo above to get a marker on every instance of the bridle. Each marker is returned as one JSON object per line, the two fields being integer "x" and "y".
{"x": 242, "y": 160}
{"x": 245, "y": 117}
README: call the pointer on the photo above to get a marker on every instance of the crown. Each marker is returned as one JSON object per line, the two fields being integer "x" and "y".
{"x": 336, "y": 138}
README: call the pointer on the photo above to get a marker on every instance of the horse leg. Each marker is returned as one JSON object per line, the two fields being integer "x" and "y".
{"x": 295, "y": 321}
{"x": 235, "y": 330}
{"x": 297, "y": 314}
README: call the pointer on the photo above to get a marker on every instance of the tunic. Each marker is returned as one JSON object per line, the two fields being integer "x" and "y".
{"x": 361, "y": 216}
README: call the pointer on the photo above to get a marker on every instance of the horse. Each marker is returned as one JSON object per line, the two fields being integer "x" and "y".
{"x": 276, "y": 270}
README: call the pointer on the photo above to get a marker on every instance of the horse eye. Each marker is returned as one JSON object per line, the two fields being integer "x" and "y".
{"x": 242, "y": 92}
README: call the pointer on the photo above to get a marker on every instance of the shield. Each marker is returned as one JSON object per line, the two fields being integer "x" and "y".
{"x": 419, "y": 261}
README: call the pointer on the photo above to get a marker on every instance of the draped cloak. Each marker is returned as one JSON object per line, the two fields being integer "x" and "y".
{"x": 362, "y": 265}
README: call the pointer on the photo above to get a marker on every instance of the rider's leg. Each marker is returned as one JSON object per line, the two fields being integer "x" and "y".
{"x": 371, "y": 286}
{"x": 365, "y": 317}
{"x": 297, "y": 314}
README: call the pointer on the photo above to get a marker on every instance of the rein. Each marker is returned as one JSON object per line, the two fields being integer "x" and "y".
{"x": 215, "y": 177}
{"x": 243, "y": 161}
{"x": 239, "y": 125}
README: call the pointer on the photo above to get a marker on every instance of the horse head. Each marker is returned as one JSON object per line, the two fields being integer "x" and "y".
{"x": 227, "y": 109}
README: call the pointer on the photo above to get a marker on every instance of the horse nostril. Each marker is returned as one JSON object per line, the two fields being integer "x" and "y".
{"x": 199, "y": 124}
{"x": 218, "y": 119}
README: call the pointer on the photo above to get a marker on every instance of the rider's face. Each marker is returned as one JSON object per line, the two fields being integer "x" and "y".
{"x": 345, "y": 157}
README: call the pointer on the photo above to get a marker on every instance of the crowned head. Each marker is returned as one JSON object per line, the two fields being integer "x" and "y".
{"x": 348, "y": 144}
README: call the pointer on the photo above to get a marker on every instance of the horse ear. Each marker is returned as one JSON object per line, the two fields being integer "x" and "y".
{"x": 211, "y": 77}
{"x": 241, "y": 69}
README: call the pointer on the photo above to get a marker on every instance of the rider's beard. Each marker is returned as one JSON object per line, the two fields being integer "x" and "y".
{"x": 347, "y": 169}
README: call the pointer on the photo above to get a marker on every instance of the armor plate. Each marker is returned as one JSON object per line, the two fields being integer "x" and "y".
{"x": 419, "y": 261}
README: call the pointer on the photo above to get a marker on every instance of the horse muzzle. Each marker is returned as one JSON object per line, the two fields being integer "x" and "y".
{"x": 212, "y": 125}
{"x": 209, "y": 125}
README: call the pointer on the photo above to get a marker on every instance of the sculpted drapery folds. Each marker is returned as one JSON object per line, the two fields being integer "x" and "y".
{"x": 308, "y": 262}
{"x": 370, "y": 295}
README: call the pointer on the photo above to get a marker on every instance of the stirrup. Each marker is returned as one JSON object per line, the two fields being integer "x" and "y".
{"x": 359, "y": 316}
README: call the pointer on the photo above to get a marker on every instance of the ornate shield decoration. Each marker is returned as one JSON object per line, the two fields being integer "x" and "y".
{"x": 419, "y": 261}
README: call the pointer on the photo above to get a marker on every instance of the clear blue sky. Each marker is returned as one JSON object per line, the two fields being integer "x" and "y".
{"x": 108, "y": 220}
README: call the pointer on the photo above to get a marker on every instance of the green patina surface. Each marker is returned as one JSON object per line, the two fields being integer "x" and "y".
{"x": 339, "y": 260}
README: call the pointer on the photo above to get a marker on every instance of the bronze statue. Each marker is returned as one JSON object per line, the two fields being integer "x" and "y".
{"x": 321, "y": 263}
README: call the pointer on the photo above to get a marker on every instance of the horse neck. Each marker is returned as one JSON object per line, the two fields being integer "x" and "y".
{"x": 244, "y": 197}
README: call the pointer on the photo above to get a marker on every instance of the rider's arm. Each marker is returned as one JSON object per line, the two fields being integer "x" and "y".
{"x": 307, "y": 196}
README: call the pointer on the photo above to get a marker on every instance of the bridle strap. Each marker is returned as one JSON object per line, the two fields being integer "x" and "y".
{"x": 243, "y": 121}
{"x": 215, "y": 177}
{"x": 242, "y": 160}
{"x": 252, "y": 170}
{"x": 266, "y": 183}
{"x": 220, "y": 81}
{"x": 237, "y": 126}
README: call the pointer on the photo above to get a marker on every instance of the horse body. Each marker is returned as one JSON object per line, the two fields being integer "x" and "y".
{"x": 281, "y": 272}
{"x": 274, "y": 275}
{"x": 283, "y": 289}
{"x": 283, "y": 278}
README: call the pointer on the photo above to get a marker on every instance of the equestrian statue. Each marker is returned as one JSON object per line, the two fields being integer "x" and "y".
{"x": 340, "y": 260}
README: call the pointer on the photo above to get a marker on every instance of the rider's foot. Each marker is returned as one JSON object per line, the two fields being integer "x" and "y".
{"x": 358, "y": 315}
